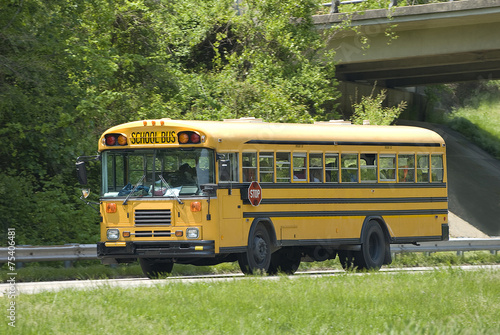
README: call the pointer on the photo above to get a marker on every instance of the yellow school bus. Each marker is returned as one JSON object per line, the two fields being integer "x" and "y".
{"x": 267, "y": 195}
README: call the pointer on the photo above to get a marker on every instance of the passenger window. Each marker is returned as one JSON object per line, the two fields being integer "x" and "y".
{"x": 332, "y": 168}
{"x": 437, "y": 168}
{"x": 266, "y": 167}
{"x": 368, "y": 167}
{"x": 299, "y": 166}
{"x": 249, "y": 166}
{"x": 422, "y": 168}
{"x": 230, "y": 174}
{"x": 387, "y": 167}
{"x": 315, "y": 168}
{"x": 282, "y": 167}
{"x": 406, "y": 168}
{"x": 349, "y": 168}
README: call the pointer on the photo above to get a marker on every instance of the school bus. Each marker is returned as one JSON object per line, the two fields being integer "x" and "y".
{"x": 267, "y": 195}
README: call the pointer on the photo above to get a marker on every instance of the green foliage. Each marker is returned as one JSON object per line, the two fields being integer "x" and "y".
{"x": 371, "y": 108}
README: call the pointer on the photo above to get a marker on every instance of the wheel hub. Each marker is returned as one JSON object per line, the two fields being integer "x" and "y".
{"x": 260, "y": 249}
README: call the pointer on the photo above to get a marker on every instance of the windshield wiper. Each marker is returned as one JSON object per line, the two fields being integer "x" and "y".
{"x": 135, "y": 188}
{"x": 170, "y": 190}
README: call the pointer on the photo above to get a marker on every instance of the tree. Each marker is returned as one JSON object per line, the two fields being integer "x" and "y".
{"x": 70, "y": 69}
{"x": 371, "y": 108}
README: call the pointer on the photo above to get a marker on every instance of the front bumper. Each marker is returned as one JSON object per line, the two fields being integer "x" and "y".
{"x": 155, "y": 249}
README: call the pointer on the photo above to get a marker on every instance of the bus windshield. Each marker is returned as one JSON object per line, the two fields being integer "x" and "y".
{"x": 156, "y": 173}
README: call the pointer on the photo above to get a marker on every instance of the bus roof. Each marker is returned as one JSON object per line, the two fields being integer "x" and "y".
{"x": 253, "y": 131}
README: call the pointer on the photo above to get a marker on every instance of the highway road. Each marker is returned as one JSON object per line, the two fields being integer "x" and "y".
{"x": 38, "y": 287}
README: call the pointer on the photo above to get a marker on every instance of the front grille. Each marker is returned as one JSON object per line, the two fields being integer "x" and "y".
{"x": 155, "y": 233}
{"x": 153, "y": 217}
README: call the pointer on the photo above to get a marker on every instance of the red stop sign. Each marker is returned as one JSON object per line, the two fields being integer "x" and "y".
{"x": 255, "y": 193}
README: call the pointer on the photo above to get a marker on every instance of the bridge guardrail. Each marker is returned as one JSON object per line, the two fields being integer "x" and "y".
{"x": 334, "y": 4}
{"x": 75, "y": 252}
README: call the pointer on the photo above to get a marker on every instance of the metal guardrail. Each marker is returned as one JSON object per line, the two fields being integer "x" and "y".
{"x": 459, "y": 245}
{"x": 75, "y": 252}
{"x": 67, "y": 252}
{"x": 334, "y": 4}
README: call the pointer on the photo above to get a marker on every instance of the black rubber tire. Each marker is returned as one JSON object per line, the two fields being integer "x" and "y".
{"x": 285, "y": 260}
{"x": 258, "y": 256}
{"x": 373, "y": 248}
{"x": 347, "y": 259}
{"x": 153, "y": 268}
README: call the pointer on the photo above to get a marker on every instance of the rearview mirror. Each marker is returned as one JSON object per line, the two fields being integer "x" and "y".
{"x": 225, "y": 170}
{"x": 85, "y": 193}
{"x": 81, "y": 172}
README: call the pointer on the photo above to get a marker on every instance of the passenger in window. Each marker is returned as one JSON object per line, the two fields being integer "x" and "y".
{"x": 315, "y": 176}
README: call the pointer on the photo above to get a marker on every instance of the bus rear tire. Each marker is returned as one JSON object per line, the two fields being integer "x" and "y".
{"x": 257, "y": 259}
{"x": 373, "y": 248}
{"x": 153, "y": 268}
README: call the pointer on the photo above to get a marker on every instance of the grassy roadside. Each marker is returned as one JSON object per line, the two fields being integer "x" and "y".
{"x": 479, "y": 117}
{"x": 447, "y": 301}
{"x": 94, "y": 270}
{"x": 480, "y": 124}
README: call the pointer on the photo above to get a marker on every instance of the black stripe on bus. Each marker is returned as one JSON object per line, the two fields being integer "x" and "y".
{"x": 305, "y": 185}
{"x": 394, "y": 144}
{"x": 295, "y": 214}
{"x": 311, "y": 201}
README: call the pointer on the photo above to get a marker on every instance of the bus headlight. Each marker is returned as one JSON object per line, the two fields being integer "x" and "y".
{"x": 192, "y": 233}
{"x": 113, "y": 234}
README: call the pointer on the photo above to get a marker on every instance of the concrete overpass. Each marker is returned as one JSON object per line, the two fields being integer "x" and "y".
{"x": 436, "y": 43}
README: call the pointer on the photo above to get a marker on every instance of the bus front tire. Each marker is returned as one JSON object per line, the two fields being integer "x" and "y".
{"x": 153, "y": 268}
{"x": 257, "y": 259}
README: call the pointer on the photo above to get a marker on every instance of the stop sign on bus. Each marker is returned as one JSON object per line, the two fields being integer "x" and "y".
{"x": 254, "y": 193}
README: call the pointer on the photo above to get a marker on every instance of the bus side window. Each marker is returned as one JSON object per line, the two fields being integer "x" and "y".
{"x": 299, "y": 166}
{"x": 283, "y": 167}
{"x": 406, "y": 168}
{"x": 232, "y": 174}
{"x": 423, "y": 168}
{"x": 315, "y": 168}
{"x": 249, "y": 166}
{"x": 266, "y": 167}
{"x": 368, "y": 167}
{"x": 437, "y": 168}
{"x": 349, "y": 168}
{"x": 332, "y": 168}
{"x": 387, "y": 167}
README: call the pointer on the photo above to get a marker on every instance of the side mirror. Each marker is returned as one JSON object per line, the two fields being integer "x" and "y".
{"x": 81, "y": 172}
{"x": 225, "y": 170}
{"x": 85, "y": 193}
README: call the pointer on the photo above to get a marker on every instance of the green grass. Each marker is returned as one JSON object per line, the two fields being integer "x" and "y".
{"x": 439, "y": 302}
{"x": 480, "y": 123}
